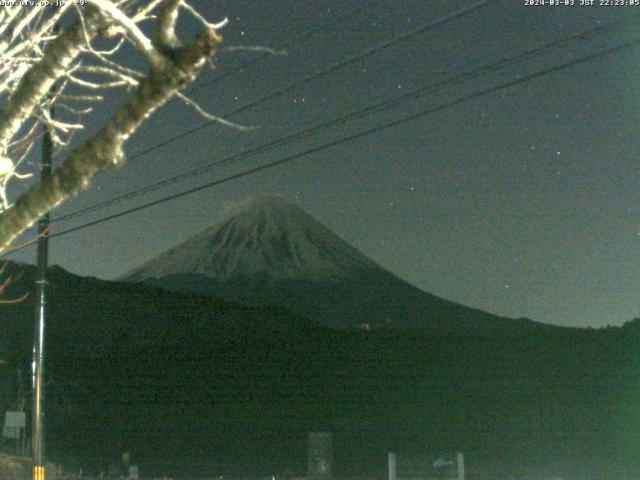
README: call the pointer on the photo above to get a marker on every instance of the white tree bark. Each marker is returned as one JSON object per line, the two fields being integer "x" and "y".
{"x": 171, "y": 68}
{"x": 38, "y": 80}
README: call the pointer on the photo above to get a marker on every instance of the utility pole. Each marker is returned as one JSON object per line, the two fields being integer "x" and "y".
{"x": 37, "y": 424}
{"x": 37, "y": 421}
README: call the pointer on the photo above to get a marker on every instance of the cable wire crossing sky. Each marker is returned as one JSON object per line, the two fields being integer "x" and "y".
{"x": 482, "y": 151}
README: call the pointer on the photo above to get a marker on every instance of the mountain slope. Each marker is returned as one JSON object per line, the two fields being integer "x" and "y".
{"x": 268, "y": 239}
{"x": 270, "y": 251}
{"x": 131, "y": 366}
{"x": 194, "y": 386}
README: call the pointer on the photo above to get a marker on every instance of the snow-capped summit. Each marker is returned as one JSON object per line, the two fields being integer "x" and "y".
{"x": 267, "y": 237}
{"x": 268, "y": 251}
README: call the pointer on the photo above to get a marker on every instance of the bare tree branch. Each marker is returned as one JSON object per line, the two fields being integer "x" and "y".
{"x": 166, "y": 25}
{"x": 35, "y": 56}
{"x": 139, "y": 39}
{"x": 8, "y": 281}
{"x": 104, "y": 150}
{"x": 37, "y": 82}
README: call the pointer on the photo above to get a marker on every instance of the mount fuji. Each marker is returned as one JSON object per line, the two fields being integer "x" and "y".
{"x": 270, "y": 251}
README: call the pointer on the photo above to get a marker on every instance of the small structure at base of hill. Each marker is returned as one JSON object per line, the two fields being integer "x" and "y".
{"x": 320, "y": 456}
{"x": 426, "y": 467}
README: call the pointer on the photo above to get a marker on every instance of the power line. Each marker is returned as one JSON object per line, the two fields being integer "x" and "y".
{"x": 303, "y": 37}
{"x": 296, "y": 40}
{"x": 349, "y": 138}
{"x": 381, "y": 106}
{"x": 325, "y": 71}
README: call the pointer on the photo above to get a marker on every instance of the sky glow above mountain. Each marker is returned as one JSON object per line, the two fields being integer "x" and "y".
{"x": 522, "y": 202}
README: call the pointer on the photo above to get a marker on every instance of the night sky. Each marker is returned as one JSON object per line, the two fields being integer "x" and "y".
{"x": 522, "y": 202}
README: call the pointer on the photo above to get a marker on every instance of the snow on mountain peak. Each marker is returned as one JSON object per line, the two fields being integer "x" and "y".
{"x": 266, "y": 237}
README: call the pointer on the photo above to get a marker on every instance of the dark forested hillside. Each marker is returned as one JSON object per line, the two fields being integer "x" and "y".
{"x": 179, "y": 380}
